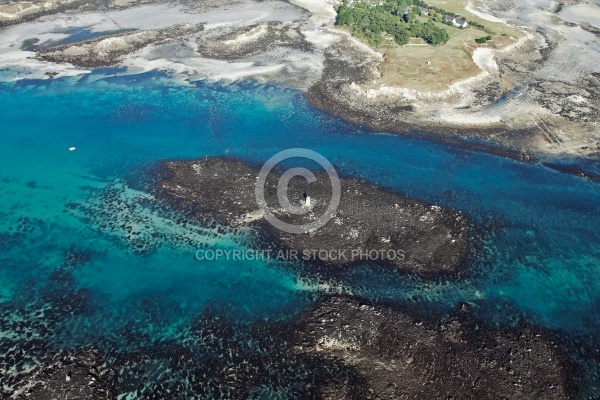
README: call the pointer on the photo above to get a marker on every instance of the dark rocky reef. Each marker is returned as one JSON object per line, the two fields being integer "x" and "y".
{"x": 70, "y": 376}
{"x": 400, "y": 356}
{"x": 340, "y": 348}
{"x": 370, "y": 224}
{"x": 129, "y": 217}
{"x": 226, "y": 361}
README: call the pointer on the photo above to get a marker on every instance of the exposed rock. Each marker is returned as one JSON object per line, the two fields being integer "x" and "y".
{"x": 69, "y": 377}
{"x": 110, "y": 50}
{"x": 19, "y": 11}
{"x": 404, "y": 232}
{"x": 252, "y": 41}
{"x": 571, "y": 102}
{"x": 402, "y": 357}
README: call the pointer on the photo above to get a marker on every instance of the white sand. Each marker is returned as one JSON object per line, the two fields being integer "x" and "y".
{"x": 579, "y": 13}
{"x": 321, "y": 38}
{"x": 483, "y": 15}
{"x": 322, "y": 11}
{"x": 196, "y": 67}
{"x": 22, "y": 64}
{"x": 484, "y": 58}
{"x": 252, "y": 35}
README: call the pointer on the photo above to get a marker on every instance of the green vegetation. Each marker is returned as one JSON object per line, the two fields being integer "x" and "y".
{"x": 483, "y": 39}
{"x": 372, "y": 21}
{"x": 482, "y": 27}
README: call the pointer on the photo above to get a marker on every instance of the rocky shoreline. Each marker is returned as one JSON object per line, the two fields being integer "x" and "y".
{"x": 346, "y": 63}
{"x": 347, "y": 66}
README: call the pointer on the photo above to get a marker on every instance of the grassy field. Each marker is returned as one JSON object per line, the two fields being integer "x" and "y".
{"x": 434, "y": 68}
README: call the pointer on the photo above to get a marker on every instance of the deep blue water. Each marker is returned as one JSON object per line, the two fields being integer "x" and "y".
{"x": 536, "y": 254}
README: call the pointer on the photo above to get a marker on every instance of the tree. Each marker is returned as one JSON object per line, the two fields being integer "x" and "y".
{"x": 370, "y": 22}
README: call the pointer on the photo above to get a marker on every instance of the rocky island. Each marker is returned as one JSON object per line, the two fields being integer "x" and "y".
{"x": 370, "y": 224}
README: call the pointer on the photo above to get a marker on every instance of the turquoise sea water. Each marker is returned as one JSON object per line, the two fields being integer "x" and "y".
{"x": 536, "y": 254}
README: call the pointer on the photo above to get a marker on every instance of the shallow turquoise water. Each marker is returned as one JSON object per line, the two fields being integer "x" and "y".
{"x": 536, "y": 255}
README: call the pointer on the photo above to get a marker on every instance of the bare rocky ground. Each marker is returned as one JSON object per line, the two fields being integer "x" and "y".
{"x": 431, "y": 240}
{"x": 70, "y": 377}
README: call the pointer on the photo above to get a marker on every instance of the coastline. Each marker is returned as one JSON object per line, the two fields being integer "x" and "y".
{"x": 458, "y": 337}
{"x": 522, "y": 138}
{"x": 516, "y": 105}
{"x": 399, "y": 110}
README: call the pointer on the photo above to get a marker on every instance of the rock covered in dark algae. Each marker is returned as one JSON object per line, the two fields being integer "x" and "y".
{"x": 399, "y": 356}
{"x": 68, "y": 376}
{"x": 370, "y": 224}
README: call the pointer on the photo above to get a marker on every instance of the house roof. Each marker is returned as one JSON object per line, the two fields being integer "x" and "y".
{"x": 460, "y": 21}
{"x": 449, "y": 18}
